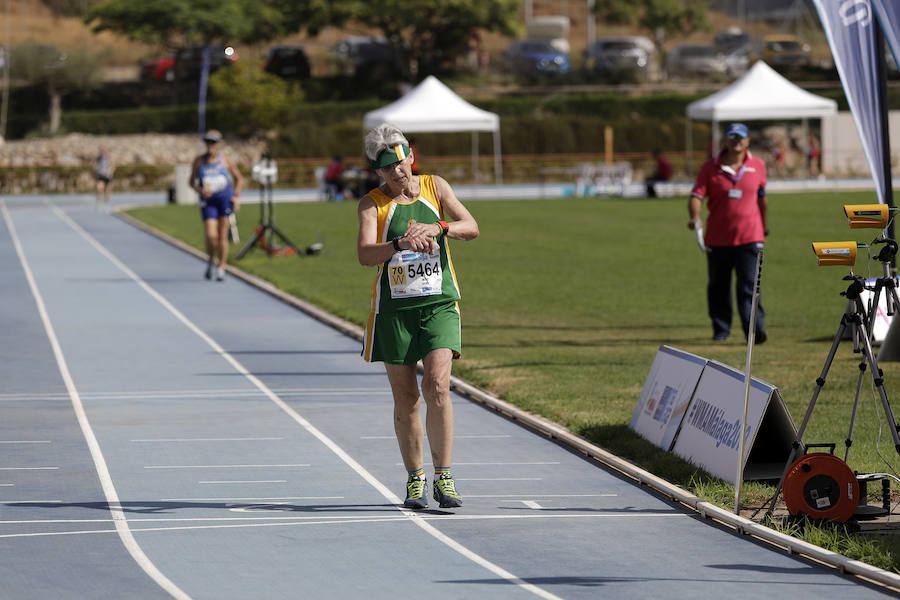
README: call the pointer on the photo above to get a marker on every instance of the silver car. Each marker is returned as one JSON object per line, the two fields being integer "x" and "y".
{"x": 622, "y": 59}
{"x": 692, "y": 60}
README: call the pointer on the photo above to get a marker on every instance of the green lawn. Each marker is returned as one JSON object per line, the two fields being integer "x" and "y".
{"x": 565, "y": 303}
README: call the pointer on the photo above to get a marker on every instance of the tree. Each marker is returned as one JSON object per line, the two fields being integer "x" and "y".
{"x": 56, "y": 71}
{"x": 431, "y": 34}
{"x": 253, "y": 100}
{"x": 202, "y": 22}
{"x": 661, "y": 18}
{"x": 183, "y": 22}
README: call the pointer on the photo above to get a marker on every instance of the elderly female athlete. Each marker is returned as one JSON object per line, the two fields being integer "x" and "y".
{"x": 415, "y": 310}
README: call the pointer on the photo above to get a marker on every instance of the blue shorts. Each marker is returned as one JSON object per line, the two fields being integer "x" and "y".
{"x": 216, "y": 207}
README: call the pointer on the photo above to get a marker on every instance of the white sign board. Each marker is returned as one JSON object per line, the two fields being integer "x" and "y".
{"x": 666, "y": 395}
{"x": 710, "y": 432}
{"x": 881, "y": 322}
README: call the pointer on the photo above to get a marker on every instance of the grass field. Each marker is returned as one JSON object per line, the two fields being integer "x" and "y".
{"x": 565, "y": 303}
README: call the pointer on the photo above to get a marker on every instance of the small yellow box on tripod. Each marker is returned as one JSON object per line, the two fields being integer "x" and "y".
{"x": 831, "y": 254}
{"x": 867, "y": 216}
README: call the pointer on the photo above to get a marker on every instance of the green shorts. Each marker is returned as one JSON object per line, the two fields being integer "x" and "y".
{"x": 404, "y": 337}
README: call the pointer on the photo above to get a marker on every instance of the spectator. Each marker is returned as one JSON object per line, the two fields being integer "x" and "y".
{"x": 663, "y": 172}
{"x": 334, "y": 178}
{"x": 735, "y": 184}
{"x": 813, "y": 157}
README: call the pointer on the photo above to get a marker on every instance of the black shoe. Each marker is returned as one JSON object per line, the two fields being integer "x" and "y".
{"x": 720, "y": 337}
{"x": 209, "y": 271}
{"x": 760, "y": 337}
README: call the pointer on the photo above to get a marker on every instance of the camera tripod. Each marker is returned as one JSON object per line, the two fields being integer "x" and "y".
{"x": 266, "y": 228}
{"x": 855, "y": 320}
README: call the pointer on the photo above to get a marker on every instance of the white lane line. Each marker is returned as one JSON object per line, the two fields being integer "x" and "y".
{"x": 245, "y": 439}
{"x": 499, "y": 479}
{"x": 457, "y": 437}
{"x": 205, "y": 393}
{"x": 251, "y": 499}
{"x": 531, "y": 504}
{"x": 541, "y": 495}
{"x": 399, "y": 517}
{"x": 24, "y": 441}
{"x": 109, "y": 489}
{"x": 249, "y": 481}
{"x": 496, "y": 464}
{"x": 29, "y": 468}
{"x": 325, "y": 440}
{"x": 221, "y": 466}
{"x": 7, "y": 484}
{"x": 419, "y": 520}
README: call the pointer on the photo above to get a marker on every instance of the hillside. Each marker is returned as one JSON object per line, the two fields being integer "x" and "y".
{"x": 31, "y": 21}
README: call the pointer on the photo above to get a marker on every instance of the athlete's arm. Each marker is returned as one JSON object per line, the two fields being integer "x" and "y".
{"x": 193, "y": 179}
{"x": 238, "y": 181}
{"x": 369, "y": 250}
{"x": 463, "y": 226}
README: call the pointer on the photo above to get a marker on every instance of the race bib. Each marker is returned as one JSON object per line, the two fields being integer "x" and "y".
{"x": 413, "y": 274}
{"x": 214, "y": 183}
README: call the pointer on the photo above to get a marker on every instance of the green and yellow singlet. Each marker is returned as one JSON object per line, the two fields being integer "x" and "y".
{"x": 412, "y": 279}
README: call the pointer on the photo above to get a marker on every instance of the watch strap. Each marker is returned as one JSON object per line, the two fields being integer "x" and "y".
{"x": 445, "y": 227}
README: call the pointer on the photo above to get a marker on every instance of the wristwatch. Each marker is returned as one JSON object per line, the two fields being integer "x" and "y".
{"x": 444, "y": 226}
{"x": 396, "y": 243}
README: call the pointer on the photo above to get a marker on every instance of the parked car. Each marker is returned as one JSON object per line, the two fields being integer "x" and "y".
{"x": 188, "y": 61}
{"x": 784, "y": 51}
{"x": 738, "y": 60}
{"x": 368, "y": 58}
{"x": 159, "y": 69}
{"x": 288, "y": 62}
{"x": 692, "y": 60}
{"x": 731, "y": 39}
{"x": 622, "y": 59}
{"x": 531, "y": 58}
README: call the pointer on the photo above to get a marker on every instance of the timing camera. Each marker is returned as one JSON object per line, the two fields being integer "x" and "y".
{"x": 832, "y": 254}
{"x": 868, "y": 216}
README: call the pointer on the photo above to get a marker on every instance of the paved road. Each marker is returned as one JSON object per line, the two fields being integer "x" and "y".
{"x": 167, "y": 436}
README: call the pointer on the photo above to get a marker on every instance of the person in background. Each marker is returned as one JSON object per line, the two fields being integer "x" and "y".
{"x": 211, "y": 177}
{"x": 415, "y": 156}
{"x": 735, "y": 184}
{"x": 663, "y": 172}
{"x": 814, "y": 157}
{"x": 103, "y": 172}
{"x": 334, "y": 178}
{"x": 415, "y": 304}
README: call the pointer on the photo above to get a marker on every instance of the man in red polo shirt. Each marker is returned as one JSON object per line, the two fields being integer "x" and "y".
{"x": 735, "y": 184}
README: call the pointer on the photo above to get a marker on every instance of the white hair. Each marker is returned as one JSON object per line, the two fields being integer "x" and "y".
{"x": 381, "y": 138}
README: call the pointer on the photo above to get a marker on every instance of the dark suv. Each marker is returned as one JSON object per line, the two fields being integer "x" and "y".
{"x": 368, "y": 58}
{"x": 188, "y": 61}
{"x": 288, "y": 62}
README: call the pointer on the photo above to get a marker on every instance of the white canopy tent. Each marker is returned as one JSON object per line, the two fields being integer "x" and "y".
{"x": 431, "y": 106}
{"x": 760, "y": 94}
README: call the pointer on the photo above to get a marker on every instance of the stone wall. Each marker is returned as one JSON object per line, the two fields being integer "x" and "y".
{"x": 143, "y": 162}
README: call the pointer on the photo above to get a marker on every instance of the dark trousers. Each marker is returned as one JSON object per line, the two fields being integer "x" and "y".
{"x": 721, "y": 261}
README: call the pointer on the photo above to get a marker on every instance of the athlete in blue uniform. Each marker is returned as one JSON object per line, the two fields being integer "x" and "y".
{"x": 211, "y": 177}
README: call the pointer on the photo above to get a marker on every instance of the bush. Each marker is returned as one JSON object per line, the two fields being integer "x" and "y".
{"x": 251, "y": 101}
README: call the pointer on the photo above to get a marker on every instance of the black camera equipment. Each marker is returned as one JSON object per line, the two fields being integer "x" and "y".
{"x": 265, "y": 172}
{"x": 798, "y": 478}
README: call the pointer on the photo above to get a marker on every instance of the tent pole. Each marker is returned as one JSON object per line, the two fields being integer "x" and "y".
{"x": 689, "y": 148}
{"x": 806, "y": 142}
{"x": 716, "y": 140}
{"x": 498, "y": 164}
{"x": 475, "y": 157}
